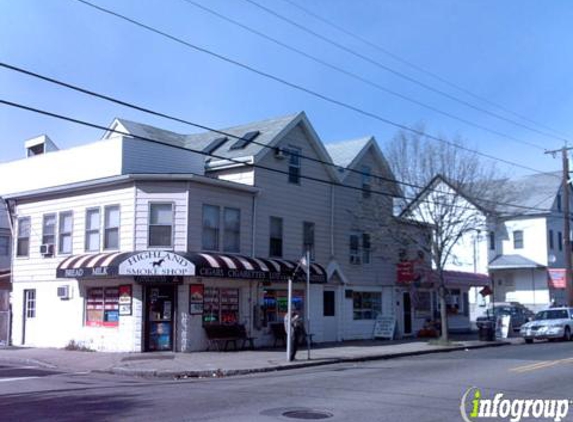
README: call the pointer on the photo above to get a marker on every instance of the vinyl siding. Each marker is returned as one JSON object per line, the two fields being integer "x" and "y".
{"x": 294, "y": 203}
{"x": 381, "y": 269}
{"x": 163, "y": 192}
{"x": 39, "y": 268}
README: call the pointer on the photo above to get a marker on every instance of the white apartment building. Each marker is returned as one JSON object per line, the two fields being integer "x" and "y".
{"x": 516, "y": 248}
{"x": 525, "y": 244}
{"x": 137, "y": 241}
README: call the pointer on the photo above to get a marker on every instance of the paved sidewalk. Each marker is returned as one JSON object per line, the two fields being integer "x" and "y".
{"x": 215, "y": 364}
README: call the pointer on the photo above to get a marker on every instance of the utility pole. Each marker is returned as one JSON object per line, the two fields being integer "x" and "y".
{"x": 566, "y": 221}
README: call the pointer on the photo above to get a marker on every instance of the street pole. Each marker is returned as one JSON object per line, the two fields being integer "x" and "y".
{"x": 288, "y": 328}
{"x": 567, "y": 227}
{"x": 308, "y": 337}
{"x": 566, "y": 221}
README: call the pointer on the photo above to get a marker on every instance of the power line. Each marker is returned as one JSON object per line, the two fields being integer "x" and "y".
{"x": 299, "y": 87}
{"x": 416, "y": 67}
{"x": 398, "y": 73}
{"x": 362, "y": 79}
{"x": 221, "y": 132}
{"x": 254, "y": 165}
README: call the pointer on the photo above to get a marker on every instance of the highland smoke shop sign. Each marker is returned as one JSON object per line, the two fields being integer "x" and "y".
{"x": 137, "y": 264}
{"x": 157, "y": 263}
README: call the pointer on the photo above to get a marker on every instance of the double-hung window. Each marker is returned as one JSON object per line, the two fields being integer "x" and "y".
{"x": 160, "y": 225}
{"x": 111, "y": 227}
{"x": 49, "y": 229}
{"x": 65, "y": 232}
{"x": 211, "y": 227}
{"x": 23, "y": 240}
{"x": 518, "y": 239}
{"x": 92, "y": 230}
{"x": 308, "y": 238}
{"x": 294, "y": 164}
{"x": 366, "y": 182}
{"x": 551, "y": 242}
{"x": 365, "y": 248}
{"x": 276, "y": 237}
{"x": 560, "y": 240}
{"x": 354, "y": 248}
{"x": 359, "y": 248}
{"x": 492, "y": 240}
{"x": 231, "y": 230}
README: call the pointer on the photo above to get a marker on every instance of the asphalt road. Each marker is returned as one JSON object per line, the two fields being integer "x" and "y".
{"x": 423, "y": 388}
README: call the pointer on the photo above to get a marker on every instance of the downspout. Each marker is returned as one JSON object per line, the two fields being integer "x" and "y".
{"x": 12, "y": 254}
{"x": 252, "y": 312}
{"x": 331, "y": 221}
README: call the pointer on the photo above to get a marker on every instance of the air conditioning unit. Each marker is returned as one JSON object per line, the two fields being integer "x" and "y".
{"x": 64, "y": 292}
{"x": 47, "y": 249}
{"x": 280, "y": 154}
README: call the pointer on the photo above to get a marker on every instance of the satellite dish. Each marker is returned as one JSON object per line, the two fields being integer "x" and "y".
{"x": 552, "y": 258}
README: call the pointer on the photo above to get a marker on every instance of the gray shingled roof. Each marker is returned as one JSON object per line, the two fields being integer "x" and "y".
{"x": 537, "y": 191}
{"x": 512, "y": 261}
{"x": 269, "y": 129}
{"x": 343, "y": 153}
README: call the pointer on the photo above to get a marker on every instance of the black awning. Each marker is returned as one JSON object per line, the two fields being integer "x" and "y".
{"x": 167, "y": 263}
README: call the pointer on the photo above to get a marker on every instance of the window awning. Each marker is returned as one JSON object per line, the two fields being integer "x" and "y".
{"x": 166, "y": 263}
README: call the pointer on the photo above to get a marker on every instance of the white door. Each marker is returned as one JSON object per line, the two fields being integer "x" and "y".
{"x": 29, "y": 316}
{"x": 329, "y": 315}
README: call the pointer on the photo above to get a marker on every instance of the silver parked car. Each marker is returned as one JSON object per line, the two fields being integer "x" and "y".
{"x": 554, "y": 323}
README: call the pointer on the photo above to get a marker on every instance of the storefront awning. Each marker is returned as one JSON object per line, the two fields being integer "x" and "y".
{"x": 465, "y": 279}
{"x": 166, "y": 263}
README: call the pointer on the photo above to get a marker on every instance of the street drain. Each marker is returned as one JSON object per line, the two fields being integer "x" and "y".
{"x": 307, "y": 414}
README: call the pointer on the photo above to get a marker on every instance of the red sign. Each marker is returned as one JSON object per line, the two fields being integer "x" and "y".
{"x": 556, "y": 278}
{"x": 405, "y": 272}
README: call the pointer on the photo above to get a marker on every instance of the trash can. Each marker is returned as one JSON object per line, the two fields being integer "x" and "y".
{"x": 487, "y": 331}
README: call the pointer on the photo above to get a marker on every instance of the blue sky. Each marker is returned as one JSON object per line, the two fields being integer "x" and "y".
{"x": 515, "y": 53}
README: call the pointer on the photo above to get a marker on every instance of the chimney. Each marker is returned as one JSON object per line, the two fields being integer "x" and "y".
{"x": 40, "y": 145}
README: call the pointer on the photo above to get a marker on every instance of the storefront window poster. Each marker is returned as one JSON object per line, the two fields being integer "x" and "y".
{"x": 125, "y": 300}
{"x": 196, "y": 297}
{"x": 102, "y": 307}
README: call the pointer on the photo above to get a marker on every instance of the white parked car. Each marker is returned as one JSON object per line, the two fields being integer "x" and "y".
{"x": 554, "y": 323}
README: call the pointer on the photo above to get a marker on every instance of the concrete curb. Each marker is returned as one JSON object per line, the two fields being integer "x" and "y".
{"x": 220, "y": 373}
{"x": 27, "y": 361}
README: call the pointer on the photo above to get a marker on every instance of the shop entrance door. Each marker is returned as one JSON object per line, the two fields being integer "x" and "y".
{"x": 159, "y": 321}
{"x": 407, "y": 307}
{"x": 29, "y": 316}
{"x": 329, "y": 320}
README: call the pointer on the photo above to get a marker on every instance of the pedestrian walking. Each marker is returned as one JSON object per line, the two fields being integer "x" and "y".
{"x": 295, "y": 328}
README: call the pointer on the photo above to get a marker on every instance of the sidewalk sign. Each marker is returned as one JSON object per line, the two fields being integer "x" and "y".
{"x": 385, "y": 327}
{"x": 502, "y": 326}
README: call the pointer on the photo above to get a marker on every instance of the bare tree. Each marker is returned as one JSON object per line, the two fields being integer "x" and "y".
{"x": 448, "y": 192}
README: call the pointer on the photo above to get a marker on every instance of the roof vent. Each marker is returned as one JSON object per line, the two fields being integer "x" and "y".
{"x": 245, "y": 140}
{"x": 39, "y": 145}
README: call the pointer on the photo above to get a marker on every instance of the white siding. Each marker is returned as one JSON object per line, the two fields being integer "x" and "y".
{"x": 164, "y": 192}
{"x": 87, "y": 162}
{"x": 200, "y": 194}
{"x": 242, "y": 175}
{"x": 39, "y": 268}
